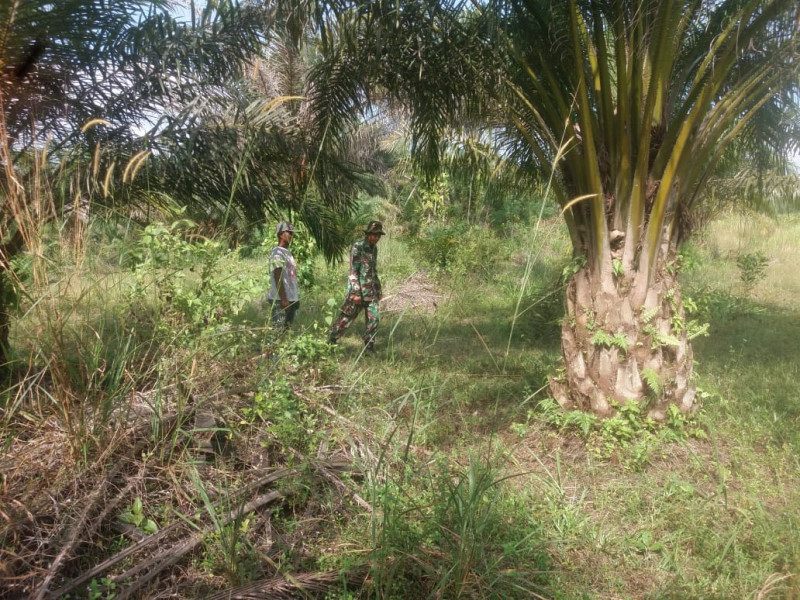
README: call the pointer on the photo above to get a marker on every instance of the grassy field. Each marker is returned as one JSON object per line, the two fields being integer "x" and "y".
{"x": 435, "y": 468}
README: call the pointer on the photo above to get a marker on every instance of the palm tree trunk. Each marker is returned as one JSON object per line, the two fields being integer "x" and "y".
{"x": 618, "y": 348}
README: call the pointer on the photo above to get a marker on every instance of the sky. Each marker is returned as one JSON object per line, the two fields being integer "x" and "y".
{"x": 181, "y": 8}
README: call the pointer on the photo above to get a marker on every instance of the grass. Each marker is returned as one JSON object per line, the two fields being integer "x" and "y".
{"x": 698, "y": 518}
{"x": 433, "y": 464}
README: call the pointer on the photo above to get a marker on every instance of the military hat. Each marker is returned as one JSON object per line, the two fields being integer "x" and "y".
{"x": 284, "y": 226}
{"x": 375, "y": 227}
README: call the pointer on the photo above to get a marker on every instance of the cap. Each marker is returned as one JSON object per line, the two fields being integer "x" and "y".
{"x": 284, "y": 226}
{"x": 375, "y": 227}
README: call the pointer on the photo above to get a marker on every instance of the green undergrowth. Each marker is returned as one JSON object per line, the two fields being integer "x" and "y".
{"x": 437, "y": 467}
{"x": 700, "y": 506}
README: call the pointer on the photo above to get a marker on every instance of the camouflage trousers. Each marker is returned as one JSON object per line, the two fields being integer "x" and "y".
{"x": 348, "y": 314}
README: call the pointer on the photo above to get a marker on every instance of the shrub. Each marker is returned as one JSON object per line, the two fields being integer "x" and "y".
{"x": 752, "y": 269}
{"x": 457, "y": 249}
{"x": 186, "y": 282}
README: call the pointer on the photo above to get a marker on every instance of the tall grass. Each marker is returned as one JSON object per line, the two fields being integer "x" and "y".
{"x": 457, "y": 481}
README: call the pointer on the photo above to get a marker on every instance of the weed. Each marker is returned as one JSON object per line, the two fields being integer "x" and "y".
{"x": 134, "y": 515}
{"x": 282, "y": 414}
{"x": 617, "y": 340}
{"x": 752, "y": 269}
{"x": 102, "y": 589}
{"x": 186, "y": 283}
{"x": 446, "y": 533}
{"x": 617, "y": 268}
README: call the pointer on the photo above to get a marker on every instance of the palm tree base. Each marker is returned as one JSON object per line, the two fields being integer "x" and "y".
{"x": 617, "y": 350}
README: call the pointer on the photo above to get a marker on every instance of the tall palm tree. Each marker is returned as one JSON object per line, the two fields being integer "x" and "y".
{"x": 642, "y": 99}
{"x": 130, "y": 62}
{"x": 263, "y": 154}
{"x": 629, "y": 103}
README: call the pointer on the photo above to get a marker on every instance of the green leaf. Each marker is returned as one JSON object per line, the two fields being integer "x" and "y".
{"x": 127, "y": 517}
{"x": 652, "y": 380}
{"x": 149, "y": 526}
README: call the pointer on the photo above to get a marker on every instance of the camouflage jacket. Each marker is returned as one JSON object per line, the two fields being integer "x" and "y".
{"x": 363, "y": 279}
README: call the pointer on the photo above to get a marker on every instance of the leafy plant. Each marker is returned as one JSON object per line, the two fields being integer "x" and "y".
{"x": 134, "y": 515}
{"x": 103, "y": 589}
{"x": 193, "y": 292}
{"x": 578, "y": 420}
{"x": 617, "y": 267}
{"x": 572, "y": 267}
{"x": 617, "y": 340}
{"x": 752, "y": 269}
{"x": 659, "y": 338}
{"x": 652, "y": 380}
{"x": 438, "y": 244}
{"x": 282, "y": 414}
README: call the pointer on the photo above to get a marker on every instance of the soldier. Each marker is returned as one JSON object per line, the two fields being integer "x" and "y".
{"x": 283, "y": 293}
{"x": 363, "y": 287}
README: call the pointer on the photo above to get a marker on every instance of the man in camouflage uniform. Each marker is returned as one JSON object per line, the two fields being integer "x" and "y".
{"x": 363, "y": 287}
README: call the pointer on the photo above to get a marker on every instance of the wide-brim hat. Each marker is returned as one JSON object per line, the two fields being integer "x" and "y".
{"x": 375, "y": 227}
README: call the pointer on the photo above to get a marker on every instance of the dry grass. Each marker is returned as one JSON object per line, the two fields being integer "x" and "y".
{"x": 739, "y": 233}
{"x": 417, "y": 294}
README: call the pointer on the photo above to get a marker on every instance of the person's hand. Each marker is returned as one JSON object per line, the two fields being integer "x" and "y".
{"x": 356, "y": 299}
{"x": 285, "y": 303}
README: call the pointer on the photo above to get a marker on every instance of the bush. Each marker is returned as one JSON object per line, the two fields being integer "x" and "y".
{"x": 187, "y": 283}
{"x": 438, "y": 244}
{"x": 752, "y": 269}
{"x": 457, "y": 248}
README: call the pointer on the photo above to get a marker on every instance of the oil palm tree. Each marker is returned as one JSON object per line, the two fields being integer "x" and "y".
{"x": 129, "y": 63}
{"x": 264, "y": 156}
{"x": 634, "y": 103}
{"x": 630, "y": 104}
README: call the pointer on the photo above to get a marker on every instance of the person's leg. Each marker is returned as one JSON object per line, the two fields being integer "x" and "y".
{"x": 372, "y": 317}
{"x": 291, "y": 311}
{"x": 347, "y": 313}
{"x": 278, "y": 316}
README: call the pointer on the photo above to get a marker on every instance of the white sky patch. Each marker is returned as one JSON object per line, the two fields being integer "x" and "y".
{"x": 183, "y": 11}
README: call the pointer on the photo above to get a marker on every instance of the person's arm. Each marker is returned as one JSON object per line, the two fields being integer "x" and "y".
{"x": 277, "y": 273}
{"x": 378, "y": 285}
{"x": 354, "y": 279}
{"x": 277, "y": 262}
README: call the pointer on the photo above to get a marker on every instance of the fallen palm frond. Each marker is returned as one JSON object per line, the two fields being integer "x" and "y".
{"x": 417, "y": 294}
{"x": 298, "y": 585}
{"x": 166, "y": 558}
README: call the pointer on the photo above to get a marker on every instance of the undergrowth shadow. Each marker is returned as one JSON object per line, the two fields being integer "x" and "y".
{"x": 754, "y": 355}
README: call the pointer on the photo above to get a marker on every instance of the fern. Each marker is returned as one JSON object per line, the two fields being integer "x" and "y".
{"x": 618, "y": 340}
{"x": 695, "y": 329}
{"x": 652, "y": 380}
{"x": 660, "y": 339}
{"x": 647, "y": 315}
{"x": 581, "y": 420}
